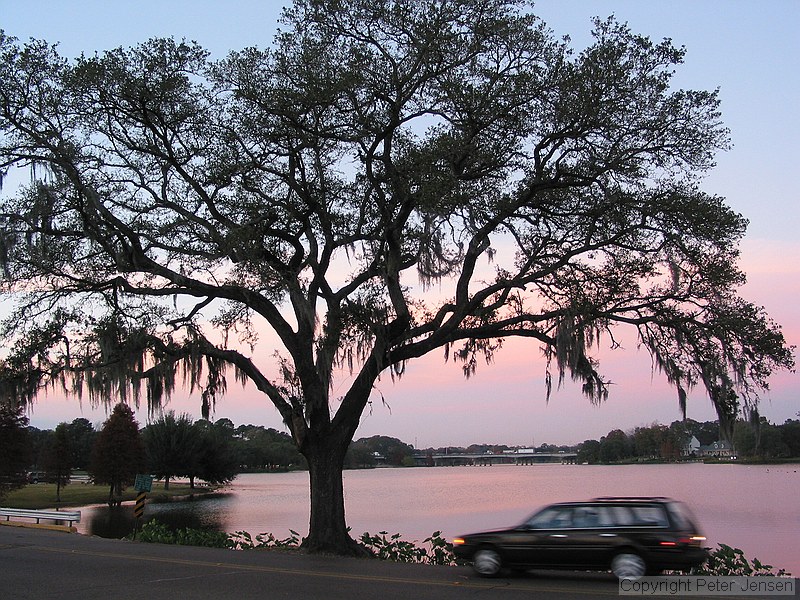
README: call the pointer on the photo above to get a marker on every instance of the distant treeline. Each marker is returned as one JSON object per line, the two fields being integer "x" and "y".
{"x": 751, "y": 440}
{"x": 248, "y": 447}
{"x": 173, "y": 445}
{"x": 254, "y": 448}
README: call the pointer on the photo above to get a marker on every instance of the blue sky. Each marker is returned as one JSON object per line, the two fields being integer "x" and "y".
{"x": 746, "y": 49}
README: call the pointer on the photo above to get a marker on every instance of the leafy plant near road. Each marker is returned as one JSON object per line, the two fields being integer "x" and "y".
{"x": 395, "y": 548}
{"x": 159, "y": 533}
{"x": 242, "y": 540}
{"x": 726, "y": 560}
{"x": 436, "y": 550}
{"x": 723, "y": 561}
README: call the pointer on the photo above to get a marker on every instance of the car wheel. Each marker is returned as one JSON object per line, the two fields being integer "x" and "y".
{"x": 487, "y": 562}
{"x": 628, "y": 565}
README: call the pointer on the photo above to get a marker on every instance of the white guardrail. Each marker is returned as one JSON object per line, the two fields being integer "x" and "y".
{"x": 70, "y": 516}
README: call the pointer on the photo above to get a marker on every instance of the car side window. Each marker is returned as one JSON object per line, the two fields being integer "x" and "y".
{"x": 599, "y": 516}
{"x": 652, "y": 516}
{"x": 621, "y": 516}
{"x": 638, "y": 516}
{"x": 563, "y": 519}
{"x": 586, "y": 517}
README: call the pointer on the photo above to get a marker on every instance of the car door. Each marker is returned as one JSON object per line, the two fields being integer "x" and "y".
{"x": 543, "y": 540}
{"x": 582, "y": 541}
{"x": 589, "y": 541}
{"x": 575, "y": 536}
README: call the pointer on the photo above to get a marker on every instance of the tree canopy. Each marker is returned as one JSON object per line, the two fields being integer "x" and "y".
{"x": 171, "y": 444}
{"x": 58, "y": 458}
{"x": 118, "y": 453}
{"x": 15, "y": 454}
{"x": 259, "y": 448}
{"x": 320, "y": 188}
{"x": 217, "y": 460}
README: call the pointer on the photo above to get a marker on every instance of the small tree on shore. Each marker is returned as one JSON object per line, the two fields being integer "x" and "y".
{"x": 118, "y": 453}
{"x": 81, "y": 440}
{"x": 216, "y": 460}
{"x": 15, "y": 448}
{"x": 57, "y": 459}
{"x": 173, "y": 445}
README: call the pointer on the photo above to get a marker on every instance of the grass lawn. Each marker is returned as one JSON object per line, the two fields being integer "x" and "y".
{"x": 43, "y": 495}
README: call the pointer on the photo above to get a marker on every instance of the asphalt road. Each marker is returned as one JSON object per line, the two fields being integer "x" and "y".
{"x": 43, "y": 565}
{"x": 37, "y": 564}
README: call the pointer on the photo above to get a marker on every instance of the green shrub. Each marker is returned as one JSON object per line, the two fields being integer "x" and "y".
{"x": 726, "y": 561}
{"x": 242, "y": 540}
{"x": 158, "y": 533}
{"x": 437, "y": 552}
{"x": 393, "y": 548}
{"x": 441, "y": 551}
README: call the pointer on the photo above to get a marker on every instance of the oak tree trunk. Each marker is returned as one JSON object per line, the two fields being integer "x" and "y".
{"x": 327, "y": 526}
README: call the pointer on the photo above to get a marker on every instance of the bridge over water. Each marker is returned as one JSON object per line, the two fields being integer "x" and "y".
{"x": 484, "y": 460}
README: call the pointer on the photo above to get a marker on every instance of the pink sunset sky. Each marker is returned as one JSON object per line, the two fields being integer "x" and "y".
{"x": 748, "y": 50}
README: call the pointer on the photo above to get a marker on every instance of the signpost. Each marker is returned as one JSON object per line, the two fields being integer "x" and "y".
{"x": 138, "y": 508}
{"x": 142, "y": 484}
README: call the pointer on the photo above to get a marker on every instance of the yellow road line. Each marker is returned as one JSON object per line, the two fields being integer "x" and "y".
{"x": 489, "y": 585}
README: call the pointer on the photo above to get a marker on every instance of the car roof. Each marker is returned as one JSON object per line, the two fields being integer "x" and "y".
{"x": 619, "y": 500}
{"x": 632, "y": 499}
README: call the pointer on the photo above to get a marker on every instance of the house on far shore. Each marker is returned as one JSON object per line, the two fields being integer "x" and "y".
{"x": 691, "y": 448}
{"x": 720, "y": 449}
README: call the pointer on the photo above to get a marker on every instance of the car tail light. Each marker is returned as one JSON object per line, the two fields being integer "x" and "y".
{"x": 458, "y": 541}
{"x": 695, "y": 540}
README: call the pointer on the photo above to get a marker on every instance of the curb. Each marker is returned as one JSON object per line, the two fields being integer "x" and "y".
{"x": 61, "y": 528}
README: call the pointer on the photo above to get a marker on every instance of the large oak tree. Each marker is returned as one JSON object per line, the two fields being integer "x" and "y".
{"x": 317, "y": 189}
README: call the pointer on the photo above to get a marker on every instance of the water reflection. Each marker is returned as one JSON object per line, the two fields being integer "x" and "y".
{"x": 109, "y": 522}
{"x": 207, "y": 512}
{"x": 749, "y": 507}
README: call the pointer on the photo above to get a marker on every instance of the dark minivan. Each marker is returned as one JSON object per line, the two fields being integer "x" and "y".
{"x": 630, "y": 536}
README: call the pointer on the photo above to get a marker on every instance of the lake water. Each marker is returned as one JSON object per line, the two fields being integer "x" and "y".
{"x": 755, "y": 508}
